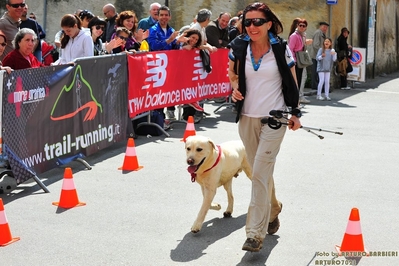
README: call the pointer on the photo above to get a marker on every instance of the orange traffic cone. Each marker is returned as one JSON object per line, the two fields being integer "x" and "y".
{"x": 190, "y": 128}
{"x": 5, "y": 233}
{"x": 353, "y": 238}
{"x": 69, "y": 195}
{"x": 130, "y": 163}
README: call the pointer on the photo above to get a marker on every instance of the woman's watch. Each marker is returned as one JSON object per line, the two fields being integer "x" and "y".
{"x": 296, "y": 112}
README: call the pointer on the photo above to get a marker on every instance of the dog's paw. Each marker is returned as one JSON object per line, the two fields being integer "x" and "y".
{"x": 215, "y": 206}
{"x": 194, "y": 231}
{"x": 227, "y": 214}
{"x": 196, "y": 227}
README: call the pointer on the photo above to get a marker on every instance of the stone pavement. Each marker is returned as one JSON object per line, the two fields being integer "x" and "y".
{"x": 144, "y": 217}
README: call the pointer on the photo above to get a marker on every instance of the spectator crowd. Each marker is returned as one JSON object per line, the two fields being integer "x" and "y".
{"x": 85, "y": 34}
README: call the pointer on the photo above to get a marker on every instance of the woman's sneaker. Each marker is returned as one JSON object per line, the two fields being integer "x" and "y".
{"x": 328, "y": 98}
{"x": 275, "y": 225}
{"x": 166, "y": 124}
{"x": 196, "y": 106}
{"x": 320, "y": 98}
{"x": 252, "y": 244}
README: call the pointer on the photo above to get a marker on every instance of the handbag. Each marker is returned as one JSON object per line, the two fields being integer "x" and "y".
{"x": 206, "y": 60}
{"x": 303, "y": 59}
{"x": 349, "y": 68}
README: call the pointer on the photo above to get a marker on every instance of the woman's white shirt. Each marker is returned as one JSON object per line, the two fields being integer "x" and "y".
{"x": 80, "y": 46}
{"x": 264, "y": 90}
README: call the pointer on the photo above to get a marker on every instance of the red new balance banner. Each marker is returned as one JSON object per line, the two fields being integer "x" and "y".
{"x": 167, "y": 78}
{"x": 53, "y": 114}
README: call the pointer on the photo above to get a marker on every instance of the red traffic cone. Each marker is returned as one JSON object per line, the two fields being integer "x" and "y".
{"x": 5, "y": 233}
{"x": 190, "y": 128}
{"x": 353, "y": 238}
{"x": 69, "y": 195}
{"x": 130, "y": 163}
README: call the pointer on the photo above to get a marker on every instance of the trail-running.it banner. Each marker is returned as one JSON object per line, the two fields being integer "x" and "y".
{"x": 53, "y": 114}
{"x": 168, "y": 78}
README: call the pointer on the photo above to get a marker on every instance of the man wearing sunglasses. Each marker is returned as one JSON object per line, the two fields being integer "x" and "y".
{"x": 9, "y": 22}
{"x": 111, "y": 15}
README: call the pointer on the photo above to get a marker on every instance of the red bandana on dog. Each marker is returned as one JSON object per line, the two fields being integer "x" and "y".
{"x": 194, "y": 175}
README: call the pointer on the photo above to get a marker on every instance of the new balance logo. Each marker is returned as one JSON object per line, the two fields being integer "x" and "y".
{"x": 156, "y": 72}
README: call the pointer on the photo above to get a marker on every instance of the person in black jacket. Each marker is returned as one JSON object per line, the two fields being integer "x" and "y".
{"x": 42, "y": 33}
{"x": 111, "y": 15}
{"x": 344, "y": 52}
{"x": 97, "y": 29}
{"x": 217, "y": 33}
{"x": 27, "y": 22}
{"x": 262, "y": 75}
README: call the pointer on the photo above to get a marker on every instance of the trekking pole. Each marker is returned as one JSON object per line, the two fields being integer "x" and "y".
{"x": 274, "y": 122}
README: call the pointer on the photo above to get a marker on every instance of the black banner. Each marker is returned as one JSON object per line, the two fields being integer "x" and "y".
{"x": 52, "y": 115}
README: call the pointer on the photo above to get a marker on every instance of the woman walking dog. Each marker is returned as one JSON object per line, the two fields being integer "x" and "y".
{"x": 262, "y": 74}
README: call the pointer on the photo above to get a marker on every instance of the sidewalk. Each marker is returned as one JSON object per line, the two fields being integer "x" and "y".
{"x": 368, "y": 84}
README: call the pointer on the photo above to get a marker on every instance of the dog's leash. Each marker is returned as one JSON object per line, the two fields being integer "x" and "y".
{"x": 194, "y": 175}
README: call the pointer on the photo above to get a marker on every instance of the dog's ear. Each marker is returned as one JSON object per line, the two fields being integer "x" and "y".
{"x": 212, "y": 144}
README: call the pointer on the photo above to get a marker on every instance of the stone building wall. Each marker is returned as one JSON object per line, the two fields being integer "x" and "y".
{"x": 347, "y": 13}
{"x": 387, "y": 37}
{"x": 183, "y": 11}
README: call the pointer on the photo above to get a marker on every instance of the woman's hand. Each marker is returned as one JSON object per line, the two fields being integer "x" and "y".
{"x": 141, "y": 35}
{"x": 8, "y": 69}
{"x": 182, "y": 38}
{"x": 213, "y": 49}
{"x": 114, "y": 43}
{"x": 236, "y": 95}
{"x": 294, "y": 123}
{"x": 209, "y": 47}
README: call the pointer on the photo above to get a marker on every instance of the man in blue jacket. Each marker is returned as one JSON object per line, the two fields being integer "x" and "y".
{"x": 164, "y": 37}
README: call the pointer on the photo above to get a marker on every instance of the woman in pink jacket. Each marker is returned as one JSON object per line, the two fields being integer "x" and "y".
{"x": 297, "y": 42}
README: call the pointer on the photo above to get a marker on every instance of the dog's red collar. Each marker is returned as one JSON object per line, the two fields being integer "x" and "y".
{"x": 194, "y": 175}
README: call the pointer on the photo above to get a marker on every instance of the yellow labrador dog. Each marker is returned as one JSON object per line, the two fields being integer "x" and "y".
{"x": 213, "y": 166}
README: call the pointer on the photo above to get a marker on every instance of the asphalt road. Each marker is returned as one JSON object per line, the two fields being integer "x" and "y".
{"x": 144, "y": 217}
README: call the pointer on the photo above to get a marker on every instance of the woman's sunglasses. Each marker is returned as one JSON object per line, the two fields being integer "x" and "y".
{"x": 3, "y": 44}
{"x": 302, "y": 25}
{"x": 122, "y": 38}
{"x": 256, "y": 21}
{"x": 99, "y": 27}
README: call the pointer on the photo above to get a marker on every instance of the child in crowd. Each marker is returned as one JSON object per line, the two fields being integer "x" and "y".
{"x": 122, "y": 36}
{"x": 325, "y": 57}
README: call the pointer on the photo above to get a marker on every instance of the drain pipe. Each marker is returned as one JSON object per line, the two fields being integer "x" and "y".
{"x": 330, "y": 20}
{"x": 45, "y": 15}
